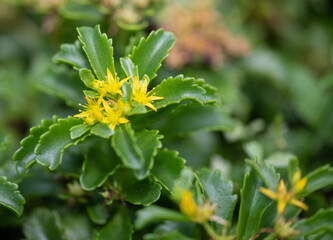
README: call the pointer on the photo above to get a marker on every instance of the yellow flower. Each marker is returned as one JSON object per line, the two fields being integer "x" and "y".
{"x": 197, "y": 213}
{"x": 112, "y": 85}
{"x": 187, "y": 204}
{"x": 298, "y": 184}
{"x": 93, "y": 111}
{"x": 283, "y": 197}
{"x": 112, "y": 117}
{"x": 140, "y": 94}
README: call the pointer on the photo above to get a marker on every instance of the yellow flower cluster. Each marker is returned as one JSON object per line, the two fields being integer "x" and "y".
{"x": 197, "y": 213}
{"x": 283, "y": 196}
{"x": 109, "y": 108}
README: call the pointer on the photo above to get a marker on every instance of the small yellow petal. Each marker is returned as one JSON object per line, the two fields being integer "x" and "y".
{"x": 123, "y": 120}
{"x": 269, "y": 193}
{"x": 300, "y": 185}
{"x": 151, "y": 106}
{"x": 281, "y": 205}
{"x": 187, "y": 205}
{"x": 299, "y": 204}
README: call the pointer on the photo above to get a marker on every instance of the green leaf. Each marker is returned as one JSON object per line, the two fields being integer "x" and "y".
{"x": 292, "y": 168}
{"x": 152, "y": 214}
{"x": 98, "y": 213}
{"x": 73, "y": 55}
{"x": 90, "y": 94}
{"x": 55, "y": 141}
{"x": 43, "y": 224}
{"x": 167, "y": 167}
{"x": 183, "y": 182}
{"x": 63, "y": 84}
{"x": 175, "y": 90}
{"x": 322, "y": 220}
{"x": 140, "y": 192}
{"x": 25, "y": 157}
{"x": 318, "y": 179}
{"x": 253, "y": 205}
{"x": 77, "y": 226}
{"x": 119, "y": 228}
{"x": 267, "y": 174}
{"x": 125, "y": 144}
{"x": 10, "y": 197}
{"x": 129, "y": 68}
{"x": 211, "y": 94}
{"x": 79, "y": 130}
{"x": 218, "y": 191}
{"x": 148, "y": 142}
{"x": 102, "y": 130}
{"x": 98, "y": 49}
{"x": 87, "y": 77}
{"x": 97, "y": 166}
{"x": 150, "y": 52}
{"x": 127, "y": 92}
{"x": 174, "y": 235}
{"x": 189, "y": 118}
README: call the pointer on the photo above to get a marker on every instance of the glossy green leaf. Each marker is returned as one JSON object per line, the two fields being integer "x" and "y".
{"x": 25, "y": 156}
{"x": 152, "y": 214}
{"x": 43, "y": 224}
{"x": 127, "y": 92}
{"x": 148, "y": 119}
{"x": 177, "y": 89}
{"x": 126, "y": 146}
{"x": 119, "y": 228}
{"x": 129, "y": 68}
{"x": 140, "y": 192}
{"x": 73, "y": 55}
{"x": 98, "y": 49}
{"x": 150, "y": 52}
{"x": 191, "y": 118}
{"x": 167, "y": 167}
{"x": 97, "y": 166}
{"x": 253, "y": 205}
{"x": 317, "y": 179}
{"x": 322, "y": 220}
{"x": 267, "y": 174}
{"x": 148, "y": 141}
{"x": 98, "y": 213}
{"x": 55, "y": 141}
{"x": 90, "y": 94}
{"x": 211, "y": 94}
{"x": 10, "y": 197}
{"x": 87, "y": 77}
{"x": 79, "y": 130}
{"x": 102, "y": 130}
{"x": 218, "y": 191}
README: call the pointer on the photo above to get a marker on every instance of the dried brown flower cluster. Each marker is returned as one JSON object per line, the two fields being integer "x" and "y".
{"x": 200, "y": 35}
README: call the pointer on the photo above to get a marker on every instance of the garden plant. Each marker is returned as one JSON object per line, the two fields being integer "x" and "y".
{"x": 137, "y": 154}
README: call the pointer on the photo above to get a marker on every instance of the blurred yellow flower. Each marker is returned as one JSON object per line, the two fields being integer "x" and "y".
{"x": 197, "y": 213}
{"x": 283, "y": 197}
